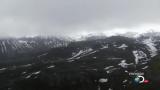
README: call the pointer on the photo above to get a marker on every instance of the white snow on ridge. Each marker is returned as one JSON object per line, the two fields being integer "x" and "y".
{"x": 123, "y": 46}
{"x": 111, "y": 70}
{"x": 104, "y": 47}
{"x": 103, "y": 80}
{"x": 24, "y": 72}
{"x": 3, "y": 47}
{"x": 2, "y": 69}
{"x": 138, "y": 55}
{"x": 144, "y": 63}
{"x": 124, "y": 64}
{"x": 124, "y": 81}
{"x": 153, "y": 50}
{"x": 110, "y": 89}
{"x": 28, "y": 76}
{"x": 34, "y": 73}
{"x": 70, "y": 60}
{"x": 27, "y": 65}
{"x": 22, "y": 41}
{"x": 52, "y": 66}
{"x": 82, "y": 53}
{"x": 145, "y": 67}
{"x": 114, "y": 58}
{"x": 106, "y": 68}
{"x": 79, "y": 53}
{"x": 42, "y": 55}
{"x": 94, "y": 57}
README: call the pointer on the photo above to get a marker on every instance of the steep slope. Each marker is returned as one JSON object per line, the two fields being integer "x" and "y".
{"x": 13, "y": 47}
{"x": 113, "y": 47}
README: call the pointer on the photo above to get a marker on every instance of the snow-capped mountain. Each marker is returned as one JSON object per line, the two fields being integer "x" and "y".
{"x": 10, "y": 47}
{"x": 101, "y": 63}
{"x": 112, "y": 47}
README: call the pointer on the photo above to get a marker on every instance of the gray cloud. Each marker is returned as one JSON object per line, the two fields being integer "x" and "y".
{"x": 69, "y": 17}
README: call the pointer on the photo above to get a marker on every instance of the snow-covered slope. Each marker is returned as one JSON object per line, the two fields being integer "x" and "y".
{"x": 11, "y": 47}
{"x": 151, "y": 46}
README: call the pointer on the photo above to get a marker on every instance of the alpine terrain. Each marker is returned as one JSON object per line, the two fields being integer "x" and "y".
{"x": 96, "y": 63}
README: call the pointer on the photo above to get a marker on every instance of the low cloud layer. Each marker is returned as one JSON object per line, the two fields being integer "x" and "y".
{"x": 75, "y": 17}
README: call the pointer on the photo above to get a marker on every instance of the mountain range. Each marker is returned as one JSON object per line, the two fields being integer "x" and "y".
{"x": 94, "y": 63}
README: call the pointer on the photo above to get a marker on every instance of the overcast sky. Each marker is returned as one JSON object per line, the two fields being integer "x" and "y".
{"x": 74, "y": 17}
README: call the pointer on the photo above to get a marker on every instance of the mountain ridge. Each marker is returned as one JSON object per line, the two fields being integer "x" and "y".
{"x": 95, "y": 62}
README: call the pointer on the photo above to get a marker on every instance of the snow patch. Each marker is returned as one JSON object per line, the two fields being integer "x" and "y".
{"x": 145, "y": 67}
{"x": 124, "y": 81}
{"x": 106, "y": 68}
{"x": 103, "y": 80}
{"x": 104, "y": 47}
{"x": 34, "y": 73}
{"x": 126, "y": 71}
{"x": 42, "y": 55}
{"x": 24, "y": 72}
{"x": 124, "y": 64}
{"x": 110, "y": 89}
{"x": 79, "y": 53}
{"x": 151, "y": 46}
{"x": 70, "y": 60}
{"x": 111, "y": 70}
{"x": 3, "y": 49}
{"x": 28, "y": 65}
{"x": 94, "y": 57}
{"x": 2, "y": 69}
{"x": 114, "y": 58}
{"x": 82, "y": 53}
{"x": 123, "y": 46}
{"x": 25, "y": 43}
{"x": 138, "y": 55}
{"x": 22, "y": 41}
{"x": 144, "y": 63}
{"x": 52, "y": 66}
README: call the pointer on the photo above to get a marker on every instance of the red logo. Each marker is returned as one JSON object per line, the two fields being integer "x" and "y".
{"x": 146, "y": 81}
